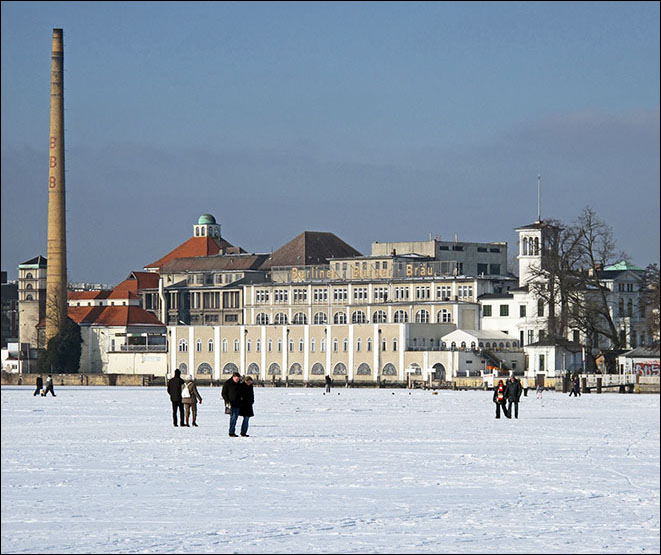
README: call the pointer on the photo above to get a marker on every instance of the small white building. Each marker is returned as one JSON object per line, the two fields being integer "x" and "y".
{"x": 642, "y": 361}
{"x": 553, "y": 358}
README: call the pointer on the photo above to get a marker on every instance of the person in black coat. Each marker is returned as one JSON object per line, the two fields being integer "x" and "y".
{"x": 329, "y": 382}
{"x": 174, "y": 389}
{"x": 513, "y": 395}
{"x": 245, "y": 404}
{"x": 40, "y": 384}
{"x": 231, "y": 394}
{"x": 499, "y": 398}
{"x": 49, "y": 386}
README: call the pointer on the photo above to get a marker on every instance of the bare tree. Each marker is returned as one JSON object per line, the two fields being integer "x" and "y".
{"x": 650, "y": 303}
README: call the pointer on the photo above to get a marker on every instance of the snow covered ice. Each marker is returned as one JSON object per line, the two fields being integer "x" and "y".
{"x": 102, "y": 470}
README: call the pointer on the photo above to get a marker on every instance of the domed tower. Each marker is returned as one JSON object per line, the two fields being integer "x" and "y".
{"x": 206, "y": 227}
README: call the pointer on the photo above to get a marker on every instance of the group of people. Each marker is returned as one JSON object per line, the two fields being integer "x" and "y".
{"x": 575, "y": 387}
{"x": 40, "y": 390}
{"x": 237, "y": 394}
{"x": 507, "y": 396}
{"x": 184, "y": 395}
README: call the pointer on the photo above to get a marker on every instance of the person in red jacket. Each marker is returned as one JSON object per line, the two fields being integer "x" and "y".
{"x": 499, "y": 398}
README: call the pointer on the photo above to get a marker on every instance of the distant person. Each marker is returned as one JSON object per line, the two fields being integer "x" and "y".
{"x": 329, "y": 382}
{"x": 40, "y": 384}
{"x": 499, "y": 398}
{"x": 49, "y": 386}
{"x": 190, "y": 396}
{"x": 513, "y": 395}
{"x": 576, "y": 388}
{"x": 231, "y": 394}
{"x": 245, "y": 405}
{"x": 175, "y": 385}
{"x": 540, "y": 390}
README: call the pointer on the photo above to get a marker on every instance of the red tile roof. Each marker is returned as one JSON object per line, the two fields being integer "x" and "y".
{"x": 110, "y": 316}
{"x": 195, "y": 246}
{"x": 87, "y": 295}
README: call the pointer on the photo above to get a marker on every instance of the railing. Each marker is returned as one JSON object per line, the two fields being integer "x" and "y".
{"x": 143, "y": 348}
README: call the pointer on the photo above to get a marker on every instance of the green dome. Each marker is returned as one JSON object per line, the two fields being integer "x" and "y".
{"x": 206, "y": 219}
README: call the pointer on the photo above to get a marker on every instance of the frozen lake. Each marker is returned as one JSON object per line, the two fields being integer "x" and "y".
{"x": 102, "y": 470}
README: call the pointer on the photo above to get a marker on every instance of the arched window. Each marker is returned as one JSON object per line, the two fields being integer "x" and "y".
{"x": 295, "y": 369}
{"x": 422, "y": 317}
{"x": 204, "y": 368}
{"x": 335, "y": 345}
{"x": 262, "y": 319}
{"x": 364, "y": 370}
{"x": 280, "y": 318}
{"x": 379, "y": 317}
{"x": 444, "y": 316}
{"x": 183, "y": 346}
{"x": 320, "y": 318}
{"x": 463, "y": 345}
{"x": 524, "y": 250}
{"x": 300, "y": 318}
{"x": 253, "y": 369}
{"x": 358, "y": 317}
{"x": 323, "y": 345}
{"x": 401, "y": 317}
{"x": 358, "y": 344}
{"x": 29, "y": 275}
{"x": 29, "y": 286}
{"x": 224, "y": 345}
{"x": 540, "y": 307}
{"x": 274, "y": 369}
{"x": 317, "y": 369}
{"x": 369, "y": 344}
{"x": 236, "y": 345}
{"x": 415, "y": 369}
{"x": 210, "y": 345}
{"x": 536, "y": 246}
{"x": 313, "y": 345}
{"x": 345, "y": 345}
{"x": 340, "y": 369}
{"x": 394, "y": 344}
{"x": 198, "y": 345}
{"x": 258, "y": 345}
{"x": 270, "y": 345}
{"x": 630, "y": 308}
{"x": 453, "y": 346}
{"x": 248, "y": 345}
{"x": 389, "y": 370}
{"x": 230, "y": 368}
{"x": 301, "y": 345}
{"x": 472, "y": 345}
{"x": 183, "y": 368}
{"x": 291, "y": 345}
{"x": 340, "y": 318}
{"x": 279, "y": 345}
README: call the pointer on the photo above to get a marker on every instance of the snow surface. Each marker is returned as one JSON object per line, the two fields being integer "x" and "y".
{"x": 102, "y": 470}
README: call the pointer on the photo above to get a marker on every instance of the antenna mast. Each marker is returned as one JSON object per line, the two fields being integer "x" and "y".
{"x": 539, "y": 198}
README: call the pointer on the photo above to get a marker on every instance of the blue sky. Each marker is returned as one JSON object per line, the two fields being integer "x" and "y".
{"x": 374, "y": 121}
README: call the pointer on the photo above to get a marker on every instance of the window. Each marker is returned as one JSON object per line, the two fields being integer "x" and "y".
{"x": 258, "y": 345}
{"x": 210, "y": 345}
{"x": 224, "y": 345}
{"x": 340, "y": 318}
{"x": 300, "y": 318}
{"x": 358, "y": 344}
{"x": 280, "y": 318}
{"x": 323, "y": 345}
{"x": 335, "y": 345}
{"x": 401, "y": 317}
{"x": 279, "y": 345}
{"x": 358, "y": 317}
{"x": 262, "y": 319}
{"x": 345, "y": 345}
{"x": 270, "y": 345}
{"x": 248, "y": 345}
{"x": 198, "y": 346}
{"x": 291, "y": 345}
{"x": 444, "y": 316}
{"x": 540, "y": 307}
{"x": 486, "y": 310}
{"x": 369, "y": 344}
{"x": 422, "y": 317}
{"x": 183, "y": 346}
{"x": 313, "y": 345}
{"x": 394, "y": 344}
{"x": 301, "y": 344}
{"x": 504, "y": 310}
{"x": 522, "y": 311}
{"x": 320, "y": 318}
{"x": 379, "y": 317}
{"x": 236, "y": 345}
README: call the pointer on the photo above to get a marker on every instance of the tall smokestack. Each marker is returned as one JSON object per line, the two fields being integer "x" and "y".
{"x": 56, "y": 276}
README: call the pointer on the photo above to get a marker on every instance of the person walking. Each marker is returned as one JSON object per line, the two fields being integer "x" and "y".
{"x": 247, "y": 400}
{"x": 190, "y": 396}
{"x": 49, "y": 386}
{"x": 231, "y": 394}
{"x": 40, "y": 384}
{"x": 175, "y": 385}
{"x": 540, "y": 390}
{"x": 329, "y": 382}
{"x": 499, "y": 398}
{"x": 513, "y": 395}
{"x": 576, "y": 388}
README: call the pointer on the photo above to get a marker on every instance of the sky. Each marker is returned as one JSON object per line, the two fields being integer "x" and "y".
{"x": 373, "y": 121}
{"x": 103, "y": 470}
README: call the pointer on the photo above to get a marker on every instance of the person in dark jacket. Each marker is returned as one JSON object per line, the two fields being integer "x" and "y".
{"x": 245, "y": 404}
{"x": 329, "y": 382}
{"x": 513, "y": 391}
{"x": 174, "y": 389}
{"x": 231, "y": 394}
{"x": 40, "y": 384}
{"x": 499, "y": 398}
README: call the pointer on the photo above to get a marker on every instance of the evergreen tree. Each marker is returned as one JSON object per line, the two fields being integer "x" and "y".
{"x": 62, "y": 355}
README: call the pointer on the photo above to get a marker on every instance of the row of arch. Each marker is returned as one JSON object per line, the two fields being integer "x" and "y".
{"x": 530, "y": 246}
{"x": 296, "y": 369}
{"x": 443, "y": 316}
